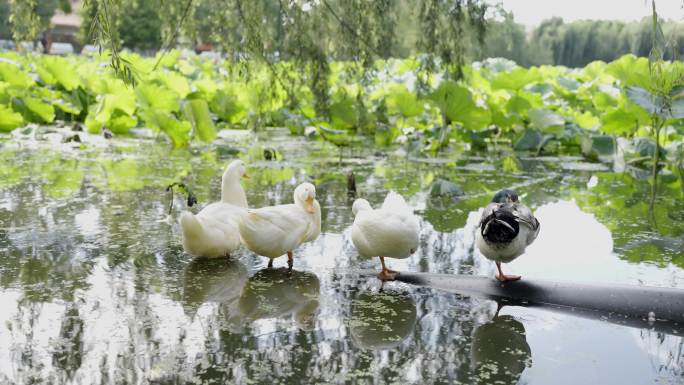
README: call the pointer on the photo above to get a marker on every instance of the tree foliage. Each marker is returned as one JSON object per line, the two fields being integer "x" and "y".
{"x": 578, "y": 43}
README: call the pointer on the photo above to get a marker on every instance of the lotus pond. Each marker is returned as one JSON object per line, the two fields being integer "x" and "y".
{"x": 95, "y": 287}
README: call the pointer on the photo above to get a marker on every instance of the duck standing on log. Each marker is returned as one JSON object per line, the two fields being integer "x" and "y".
{"x": 506, "y": 228}
{"x": 390, "y": 231}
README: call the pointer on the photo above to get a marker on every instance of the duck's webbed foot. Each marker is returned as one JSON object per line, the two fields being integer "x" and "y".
{"x": 386, "y": 274}
{"x": 506, "y": 278}
{"x": 290, "y": 260}
{"x": 501, "y": 277}
{"x": 270, "y": 263}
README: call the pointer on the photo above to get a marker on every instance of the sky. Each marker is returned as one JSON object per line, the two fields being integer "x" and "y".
{"x": 532, "y": 12}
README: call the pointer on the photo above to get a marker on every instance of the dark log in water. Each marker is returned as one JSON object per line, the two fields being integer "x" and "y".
{"x": 661, "y": 309}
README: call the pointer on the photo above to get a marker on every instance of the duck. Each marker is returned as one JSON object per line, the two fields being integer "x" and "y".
{"x": 213, "y": 232}
{"x": 390, "y": 231}
{"x": 277, "y": 230}
{"x": 505, "y": 229}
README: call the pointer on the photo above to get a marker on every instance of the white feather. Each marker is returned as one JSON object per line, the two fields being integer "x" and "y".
{"x": 390, "y": 231}
{"x": 273, "y": 231}
{"x": 213, "y": 232}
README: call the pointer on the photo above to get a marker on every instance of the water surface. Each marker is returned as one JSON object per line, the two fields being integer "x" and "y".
{"x": 95, "y": 287}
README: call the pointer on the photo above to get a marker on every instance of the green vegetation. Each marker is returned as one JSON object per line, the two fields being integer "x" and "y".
{"x": 577, "y": 43}
{"x": 541, "y": 109}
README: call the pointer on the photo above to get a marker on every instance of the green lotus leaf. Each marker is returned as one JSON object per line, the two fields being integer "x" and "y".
{"x": 120, "y": 122}
{"x": 603, "y": 101}
{"x": 516, "y": 79}
{"x": 631, "y": 71}
{"x": 57, "y": 70}
{"x": 9, "y": 120}
{"x": 206, "y": 89}
{"x": 174, "y": 81}
{"x": 178, "y": 131}
{"x": 228, "y": 106}
{"x": 43, "y": 110}
{"x": 587, "y": 120}
{"x": 644, "y": 99}
{"x": 457, "y": 103}
{"x": 14, "y": 75}
{"x": 546, "y": 120}
{"x": 197, "y": 112}
{"x": 623, "y": 119}
{"x": 343, "y": 113}
{"x": 100, "y": 114}
{"x": 595, "y": 146}
{"x": 158, "y": 97}
{"x": 530, "y": 140}
{"x": 167, "y": 59}
{"x": 401, "y": 100}
{"x": 518, "y": 105}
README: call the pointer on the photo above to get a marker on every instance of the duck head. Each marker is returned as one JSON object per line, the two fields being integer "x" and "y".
{"x": 359, "y": 205}
{"x": 505, "y": 196}
{"x": 304, "y": 196}
{"x": 231, "y": 191}
{"x": 236, "y": 170}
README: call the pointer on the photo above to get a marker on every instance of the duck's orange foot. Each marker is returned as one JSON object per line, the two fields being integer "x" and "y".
{"x": 507, "y": 278}
{"x": 388, "y": 275}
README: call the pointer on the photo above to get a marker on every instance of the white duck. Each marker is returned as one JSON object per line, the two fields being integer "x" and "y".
{"x": 506, "y": 228}
{"x": 213, "y": 232}
{"x": 390, "y": 231}
{"x": 275, "y": 230}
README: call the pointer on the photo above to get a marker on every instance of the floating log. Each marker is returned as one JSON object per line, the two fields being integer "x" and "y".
{"x": 661, "y": 309}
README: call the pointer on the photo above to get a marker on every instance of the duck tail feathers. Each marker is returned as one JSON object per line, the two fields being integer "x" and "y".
{"x": 190, "y": 224}
{"x": 394, "y": 201}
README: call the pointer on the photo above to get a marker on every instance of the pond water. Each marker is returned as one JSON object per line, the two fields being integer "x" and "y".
{"x": 95, "y": 287}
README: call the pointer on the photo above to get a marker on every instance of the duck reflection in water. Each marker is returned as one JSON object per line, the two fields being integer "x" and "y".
{"x": 499, "y": 352}
{"x": 214, "y": 280}
{"x": 382, "y": 319}
{"x": 278, "y": 293}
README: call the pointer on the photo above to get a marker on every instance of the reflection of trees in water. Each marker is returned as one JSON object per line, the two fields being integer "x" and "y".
{"x": 180, "y": 321}
{"x": 382, "y": 319}
{"x": 622, "y": 202}
{"x": 435, "y": 349}
{"x": 666, "y": 352}
{"x": 276, "y": 293}
{"x": 68, "y": 348}
{"x": 499, "y": 351}
{"x": 218, "y": 280}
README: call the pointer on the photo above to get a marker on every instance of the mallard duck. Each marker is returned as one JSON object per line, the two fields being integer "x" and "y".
{"x": 213, "y": 232}
{"x": 506, "y": 228}
{"x": 390, "y": 231}
{"x": 276, "y": 230}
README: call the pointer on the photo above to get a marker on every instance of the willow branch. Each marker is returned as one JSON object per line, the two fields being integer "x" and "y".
{"x": 349, "y": 28}
{"x": 174, "y": 36}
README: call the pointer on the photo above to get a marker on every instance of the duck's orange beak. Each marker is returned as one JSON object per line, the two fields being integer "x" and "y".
{"x": 310, "y": 205}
